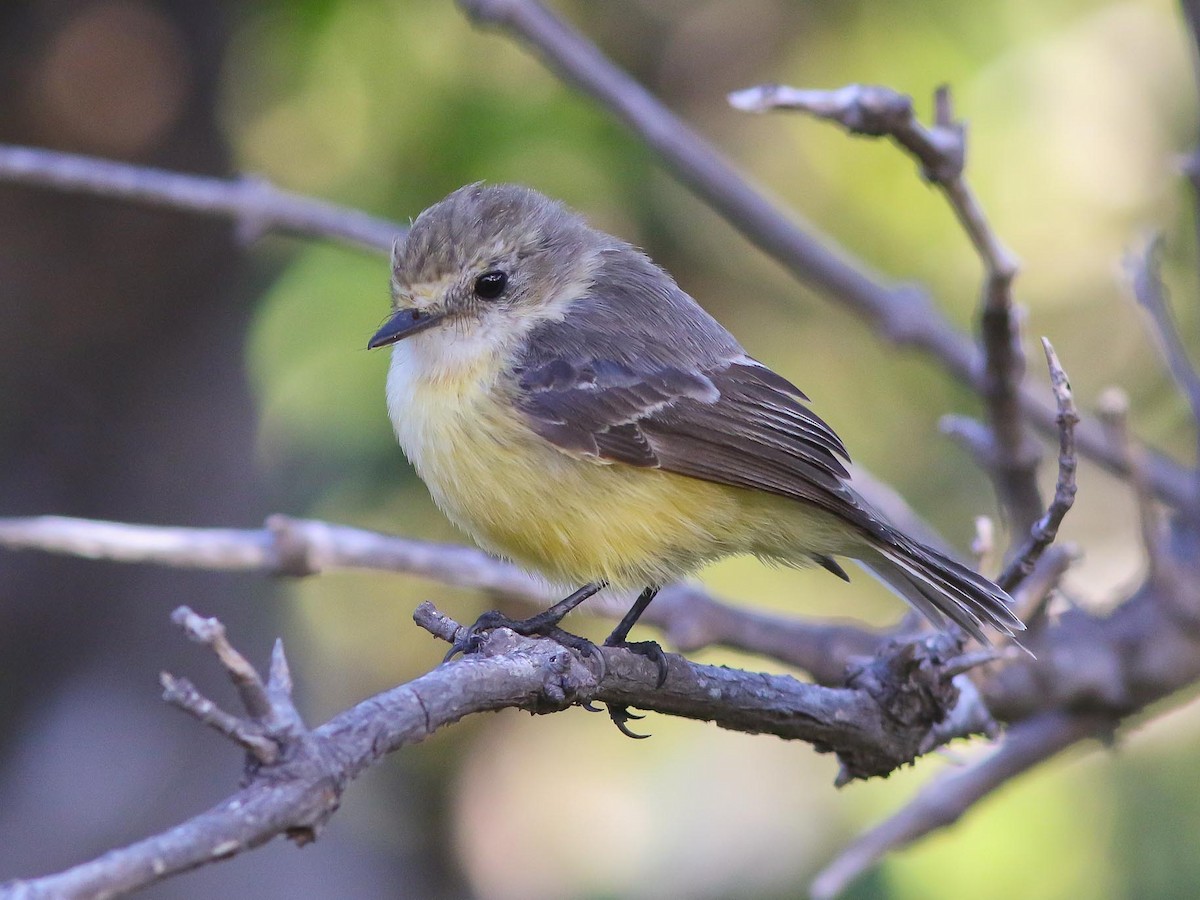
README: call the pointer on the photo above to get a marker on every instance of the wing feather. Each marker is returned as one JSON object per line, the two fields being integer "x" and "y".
{"x": 738, "y": 423}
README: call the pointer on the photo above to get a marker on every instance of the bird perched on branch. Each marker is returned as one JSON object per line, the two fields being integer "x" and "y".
{"x": 573, "y": 410}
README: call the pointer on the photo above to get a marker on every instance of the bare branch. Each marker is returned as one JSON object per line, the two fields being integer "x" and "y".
{"x": 1145, "y": 279}
{"x": 1010, "y": 456}
{"x": 692, "y": 619}
{"x": 1045, "y": 530}
{"x": 286, "y": 546}
{"x": 871, "y": 111}
{"x": 1113, "y": 408}
{"x": 875, "y": 725}
{"x": 1036, "y": 589}
{"x": 211, "y": 633}
{"x": 182, "y": 694}
{"x": 701, "y": 167}
{"x": 946, "y": 798}
{"x": 1115, "y": 662}
{"x": 253, "y": 204}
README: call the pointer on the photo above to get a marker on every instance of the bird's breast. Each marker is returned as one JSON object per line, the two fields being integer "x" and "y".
{"x": 572, "y": 519}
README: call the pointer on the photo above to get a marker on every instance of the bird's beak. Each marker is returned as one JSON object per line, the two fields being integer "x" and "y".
{"x": 403, "y": 323}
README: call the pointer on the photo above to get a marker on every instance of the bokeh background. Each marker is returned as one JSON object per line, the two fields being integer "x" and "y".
{"x": 154, "y": 370}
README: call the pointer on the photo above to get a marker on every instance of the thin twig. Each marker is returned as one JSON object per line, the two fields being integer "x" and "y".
{"x": 253, "y": 204}
{"x": 1171, "y": 572}
{"x": 182, "y": 694}
{"x": 942, "y": 802}
{"x": 1145, "y": 277}
{"x": 1113, "y": 409}
{"x": 1010, "y": 456}
{"x": 1036, "y": 589}
{"x": 873, "y": 111}
{"x": 1043, "y": 532}
{"x": 285, "y": 546}
{"x": 210, "y": 632}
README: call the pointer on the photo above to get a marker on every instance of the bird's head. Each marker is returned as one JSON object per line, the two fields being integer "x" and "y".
{"x": 485, "y": 265}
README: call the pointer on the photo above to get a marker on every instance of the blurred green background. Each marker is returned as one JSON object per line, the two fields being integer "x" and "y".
{"x": 1079, "y": 112}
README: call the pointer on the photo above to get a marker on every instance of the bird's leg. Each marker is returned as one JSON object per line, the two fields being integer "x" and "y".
{"x": 649, "y": 649}
{"x": 621, "y": 715}
{"x": 544, "y": 624}
{"x": 621, "y": 632}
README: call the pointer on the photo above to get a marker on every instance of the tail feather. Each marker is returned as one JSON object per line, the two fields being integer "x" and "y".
{"x": 938, "y": 587}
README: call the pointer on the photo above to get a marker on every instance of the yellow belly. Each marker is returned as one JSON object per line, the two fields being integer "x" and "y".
{"x": 575, "y": 520}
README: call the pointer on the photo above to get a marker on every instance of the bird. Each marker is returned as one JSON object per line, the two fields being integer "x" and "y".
{"x": 575, "y": 411}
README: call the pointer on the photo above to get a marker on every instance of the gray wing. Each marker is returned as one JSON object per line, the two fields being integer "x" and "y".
{"x": 609, "y": 384}
{"x": 742, "y": 425}
{"x": 735, "y": 423}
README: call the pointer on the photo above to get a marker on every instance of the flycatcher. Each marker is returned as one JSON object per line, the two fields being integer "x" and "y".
{"x": 573, "y": 410}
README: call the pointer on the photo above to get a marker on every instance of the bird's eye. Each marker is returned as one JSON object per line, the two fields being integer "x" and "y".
{"x": 490, "y": 285}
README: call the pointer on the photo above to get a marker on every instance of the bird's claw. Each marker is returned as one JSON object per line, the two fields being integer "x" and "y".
{"x": 580, "y": 645}
{"x": 470, "y": 639}
{"x": 651, "y": 651}
{"x": 621, "y": 715}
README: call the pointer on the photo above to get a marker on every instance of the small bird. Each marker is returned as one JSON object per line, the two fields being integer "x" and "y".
{"x": 575, "y": 411}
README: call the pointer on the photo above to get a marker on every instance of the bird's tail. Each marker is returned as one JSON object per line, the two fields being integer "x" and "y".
{"x": 938, "y": 587}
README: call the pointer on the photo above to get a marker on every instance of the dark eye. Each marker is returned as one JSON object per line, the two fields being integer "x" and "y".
{"x": 490, "y": 285}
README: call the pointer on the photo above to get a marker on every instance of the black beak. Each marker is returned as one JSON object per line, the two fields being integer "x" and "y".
{"x": 403, "y": 323}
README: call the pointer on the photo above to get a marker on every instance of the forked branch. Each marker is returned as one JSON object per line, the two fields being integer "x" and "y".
{"x": 896, "y": 706}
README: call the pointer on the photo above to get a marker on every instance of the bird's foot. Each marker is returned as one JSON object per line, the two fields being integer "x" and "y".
{"x": 620, "y": 715}
{"x": 544, "y": 624}
{"x": 649, "y": 649}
